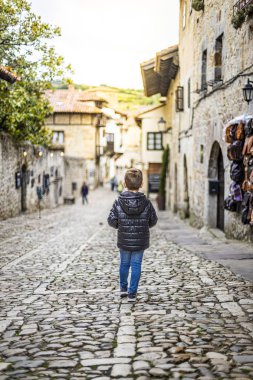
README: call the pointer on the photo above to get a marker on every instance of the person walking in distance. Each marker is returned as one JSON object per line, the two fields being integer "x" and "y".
{"x": 84, "y": 192}
{"x": 132, "y": 214}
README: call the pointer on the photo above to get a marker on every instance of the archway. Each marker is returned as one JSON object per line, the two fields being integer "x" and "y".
{"x": 186, "y": 190}
{"x": 23, "y": 188}
{"x": 216, "y": 187}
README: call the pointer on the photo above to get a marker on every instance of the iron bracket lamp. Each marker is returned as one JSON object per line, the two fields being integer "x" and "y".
{"x": 161, "y": 126}
{"x": 248, "y": 91}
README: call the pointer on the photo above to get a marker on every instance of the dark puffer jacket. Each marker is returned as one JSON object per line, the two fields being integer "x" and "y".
{"x": 132, "y": 214}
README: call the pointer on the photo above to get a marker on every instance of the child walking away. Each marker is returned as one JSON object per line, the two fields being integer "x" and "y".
{"x": 133, "y": 215}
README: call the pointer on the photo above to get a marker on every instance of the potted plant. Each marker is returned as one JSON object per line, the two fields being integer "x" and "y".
{"x": 198, "y": 5}
{"x": 162, "y": 191}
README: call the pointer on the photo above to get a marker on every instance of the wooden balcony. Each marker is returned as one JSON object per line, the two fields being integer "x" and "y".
{"x": 240, "y": 5}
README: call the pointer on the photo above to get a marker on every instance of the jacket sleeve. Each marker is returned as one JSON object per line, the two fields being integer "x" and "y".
{"x": 153, "y": 217}
{"x": 113, "y": 216}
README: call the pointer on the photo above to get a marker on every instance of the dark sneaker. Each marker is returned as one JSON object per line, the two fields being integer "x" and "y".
{"x": 123, "y": 293}
{"x": 131, "y": 297}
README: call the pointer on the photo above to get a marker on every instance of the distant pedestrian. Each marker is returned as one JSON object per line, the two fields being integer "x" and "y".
{"x": 133, "y": 215}
{"x": 120, "y": 187}
{"x": 84, "y": 192}
{"x": 113, "y": 183}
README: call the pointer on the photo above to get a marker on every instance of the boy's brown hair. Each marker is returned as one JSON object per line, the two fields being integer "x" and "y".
{"x": 133, "y": 179}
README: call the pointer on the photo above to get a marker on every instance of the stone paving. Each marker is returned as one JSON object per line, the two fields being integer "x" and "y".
{"x": 61, "y": 316}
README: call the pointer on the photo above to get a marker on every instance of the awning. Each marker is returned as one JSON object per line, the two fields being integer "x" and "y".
{"x": 158, "y": 72}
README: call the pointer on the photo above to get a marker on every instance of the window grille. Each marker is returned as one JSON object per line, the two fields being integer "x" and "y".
{"x": 180, "y": 99}
{"x": 154, "y": 141}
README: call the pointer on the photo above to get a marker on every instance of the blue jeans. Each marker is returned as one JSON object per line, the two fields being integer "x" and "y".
{"x": 130, "y": 259}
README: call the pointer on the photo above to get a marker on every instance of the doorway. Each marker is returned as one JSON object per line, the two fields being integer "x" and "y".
{"x": 23, "y": 188}
{"x": 154, "y": 173}
{"x": 186, "y": 190}
{"x": 220, "y": 196}
{"x": 216, "y": 199}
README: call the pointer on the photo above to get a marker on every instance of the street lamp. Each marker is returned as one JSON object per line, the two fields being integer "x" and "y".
{"x": 248, "y": 91}
{"x": 161, "y": 124}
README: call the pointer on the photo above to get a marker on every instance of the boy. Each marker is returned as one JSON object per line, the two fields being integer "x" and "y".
{"x": 132, "y": 214}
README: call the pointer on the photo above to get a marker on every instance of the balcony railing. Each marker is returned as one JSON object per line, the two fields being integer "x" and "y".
{"x": 240, "y": 5}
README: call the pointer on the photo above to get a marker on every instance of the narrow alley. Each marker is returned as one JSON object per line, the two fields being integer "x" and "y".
{"x": 61, "y": 316}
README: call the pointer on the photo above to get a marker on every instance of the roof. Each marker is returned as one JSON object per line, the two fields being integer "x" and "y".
{"x": 152, "y": 108}
{"x": 68, "y": 101}
{"x": 158, "y": 72}
{"x": 7, "y": 75}
{"x": 91, "y": 96}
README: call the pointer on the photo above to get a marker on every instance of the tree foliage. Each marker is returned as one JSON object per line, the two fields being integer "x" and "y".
{"x": 24, "y": 47}
{"x": 165, "y": 162}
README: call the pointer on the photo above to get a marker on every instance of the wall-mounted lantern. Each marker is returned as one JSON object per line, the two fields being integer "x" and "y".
{"x": 161, "y": 124}
{"x": 248, "y": 91}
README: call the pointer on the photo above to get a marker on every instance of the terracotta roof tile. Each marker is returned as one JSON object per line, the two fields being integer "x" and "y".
{"x": 68, "y": 101}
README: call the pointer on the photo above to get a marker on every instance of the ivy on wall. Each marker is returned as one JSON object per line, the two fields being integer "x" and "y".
{"x": 241, "y": 15}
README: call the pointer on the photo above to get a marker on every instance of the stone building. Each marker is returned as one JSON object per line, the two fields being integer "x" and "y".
{"x": 26, "y": 171}
{"x": 87, "y": 129}
{"x": 222, "y": 59}
{"x": 75, "y": 123}
{"x": 215, "y": 62}
{"x": 131, "y": 148}
{"x": 159, "y": 74}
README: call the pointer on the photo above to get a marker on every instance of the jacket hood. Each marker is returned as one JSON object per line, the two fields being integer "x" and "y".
{"x": 132, "y": 203}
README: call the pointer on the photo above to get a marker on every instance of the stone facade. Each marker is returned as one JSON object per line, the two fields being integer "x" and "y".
{"x": 23, "y": 169}
{"x": 215, "y": 61}
{"x": 151, "y": 159}
{"x": 88, "y": 131}
{"x": 213, "y": 104}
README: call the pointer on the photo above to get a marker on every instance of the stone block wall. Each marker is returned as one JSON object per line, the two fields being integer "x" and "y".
{"x": 10, "y": 203}
{"x": 33, "y": 167}
{"x": 200, "y": 126}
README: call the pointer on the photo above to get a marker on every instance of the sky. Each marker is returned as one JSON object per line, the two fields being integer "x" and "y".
{"x": 106, "y": 40}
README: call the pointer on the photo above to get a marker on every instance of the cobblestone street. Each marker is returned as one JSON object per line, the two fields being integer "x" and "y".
{"x": 61, "y": 316}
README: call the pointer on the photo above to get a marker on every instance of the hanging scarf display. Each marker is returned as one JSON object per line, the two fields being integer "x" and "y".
{"x": 238, "y": 133}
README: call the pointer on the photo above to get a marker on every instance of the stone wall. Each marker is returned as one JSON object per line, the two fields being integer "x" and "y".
{"x": 199, "y": 126}
{"x": 214, "y": 107}
{"x": 23, "y": 169}
{"x": 10, "y": 203}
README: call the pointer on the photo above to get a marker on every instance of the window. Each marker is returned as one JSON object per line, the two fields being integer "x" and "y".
{"x": 110, "y": 137}
{"x": 189, "y": 93}
{"x": 180, "y": 99}
{"x": 201, "y": 154}
{"x": 203, "y": 70}
{"x": 58, "y": 137}
{"x": 155, "y": 141}
{"x": 218, "y": 58}
{"x": 110, "y": 142}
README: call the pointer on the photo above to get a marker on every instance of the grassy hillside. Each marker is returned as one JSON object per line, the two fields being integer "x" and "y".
{"x": 129, "y": 99}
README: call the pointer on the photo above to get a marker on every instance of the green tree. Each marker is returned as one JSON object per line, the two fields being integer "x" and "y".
{"x": 24, "y": 47}
{"x": 165, "y": 162}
